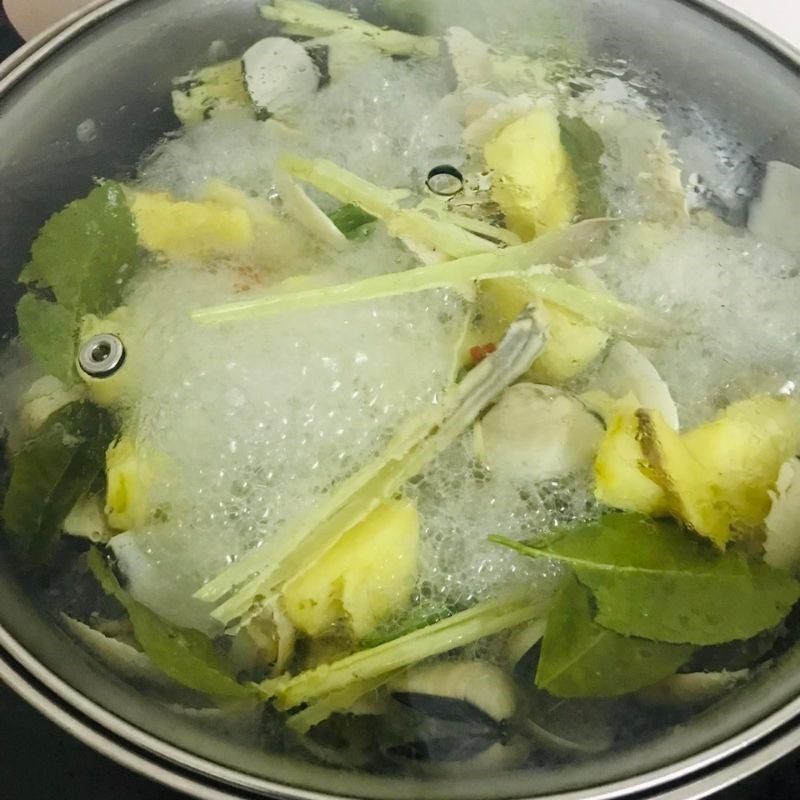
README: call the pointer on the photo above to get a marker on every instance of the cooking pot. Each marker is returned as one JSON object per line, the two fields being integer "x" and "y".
{"x": 112, "y": 69}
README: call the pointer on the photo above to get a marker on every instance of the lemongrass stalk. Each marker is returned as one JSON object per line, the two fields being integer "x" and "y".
{"x": 552, "y": 248}
{"x": 482, "y": 620}
{"x": 409, "y": 435}
{"x": 420, "y": 279}
{"x": 346, "y": 698}
{"x": 477, "y": 226}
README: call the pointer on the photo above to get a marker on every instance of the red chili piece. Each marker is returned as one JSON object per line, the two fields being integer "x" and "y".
{"x": 481, "y": 351}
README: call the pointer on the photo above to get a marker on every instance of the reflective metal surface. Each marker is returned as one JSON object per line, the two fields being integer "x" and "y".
{"x": 113, "y": 67}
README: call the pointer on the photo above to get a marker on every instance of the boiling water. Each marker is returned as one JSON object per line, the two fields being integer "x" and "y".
{"x": 254, "y": 423}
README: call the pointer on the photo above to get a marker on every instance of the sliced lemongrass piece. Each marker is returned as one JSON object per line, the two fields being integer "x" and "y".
{"x": 477, "y": 226}
{"x": 328, "y": 177}
{"x": 516, "y": 261}
{"x": 305, "y": 211}
{"x": 482, "y": 620}
{"x": 410, "y": 434}
{"x": 419, "y": 279}
{"x": 336, "y": 702}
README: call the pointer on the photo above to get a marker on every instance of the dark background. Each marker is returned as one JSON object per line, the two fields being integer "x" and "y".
{"x": 40, "y": 762}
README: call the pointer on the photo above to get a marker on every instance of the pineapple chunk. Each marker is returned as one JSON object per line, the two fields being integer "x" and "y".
{"x": 691, "y": 496}
{"x": 130, "y": 475}
{"x": 743, "y": 450}
{"x": 257, "y": 208}
{"x": 716, "y": 478}
{"x": 366, "y": 575}
{"x": 619, "y": 479}
{"x": 533, "y": 181}
{"x": 183, "y": 229}
{"x": 572, "y": 346}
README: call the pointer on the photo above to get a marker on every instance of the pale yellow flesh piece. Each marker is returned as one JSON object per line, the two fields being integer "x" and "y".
{"x": 217, "y": 88}
{"x": 533, "y": 181}
{"x": 573, "y": 345}
{"x": 366, "y": 575}
{"x": 744, "y": 449}
{"x": 619, "y": 479}
{"x": 130, "y": 476}
{"x": 716, "y": 478}
{"x": 183, "y": 229}
{"x": 690, "y": 496}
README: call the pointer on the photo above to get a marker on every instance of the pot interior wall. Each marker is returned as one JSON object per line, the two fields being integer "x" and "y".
{"x": 118, "y": 73}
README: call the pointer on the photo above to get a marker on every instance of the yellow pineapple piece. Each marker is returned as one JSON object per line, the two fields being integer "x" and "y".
{"x": 130, "y": 475}
{"x": 184, "y": 229}
{"x": 620, "y": 479}
{"x": 690, "y": 492}
{"x": 219, "y": 87}
{"x": 742, "y": 451}
{"x": 366, "y": 575}
{"x": 533, "y": 181}
{"x": 716, "y": 478}
{"x": 571, "y": 347}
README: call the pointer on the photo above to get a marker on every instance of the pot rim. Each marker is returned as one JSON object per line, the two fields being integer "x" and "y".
{"x": 692, "y": 778}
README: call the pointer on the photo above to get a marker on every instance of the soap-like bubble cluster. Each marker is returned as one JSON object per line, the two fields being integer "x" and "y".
{"x": 462, "y": 503}
{"x": 731, "y": 303}
{"x": 232, "y": 148}
{"x": 248, "y": 425}
{"x": 413, "y": 125}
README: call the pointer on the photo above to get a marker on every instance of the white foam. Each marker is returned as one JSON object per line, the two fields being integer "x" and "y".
{"x": 732, "y": 301}
{"x": 411, "y": 127}
{"x": 254, "y": 421}
{"x": 462, "y": 504}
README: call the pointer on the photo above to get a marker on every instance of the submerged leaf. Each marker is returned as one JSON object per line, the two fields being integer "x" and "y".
{"x": 351, "y": 220}
{"x": 585, "y": 149}
{"x": 84, "y": 255}
{"x": 655, "y": 580}
{"x": 583, "y": 659}
{"x": 185, "y": 655}
{"x": 417, "y": 618}
{"x": 48, "y": 331}
{"x": 52, "y": 471}
{"x": 85, "y": 252}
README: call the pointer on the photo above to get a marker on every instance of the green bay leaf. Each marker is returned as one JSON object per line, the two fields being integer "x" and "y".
{"x": 351, "y": 220}
{"x": 86, "y": 252}
{"x": 580, "y": 658}
{"x": 651, "y": 578}
{"x": 48, "y": 331}
{"x": 52, "y": 471}
{"x": 186, "y": 655}
{"x": 585, "y": 149}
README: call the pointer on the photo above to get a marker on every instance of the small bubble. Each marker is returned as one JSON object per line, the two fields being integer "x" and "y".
{"x": 86, "y": 131}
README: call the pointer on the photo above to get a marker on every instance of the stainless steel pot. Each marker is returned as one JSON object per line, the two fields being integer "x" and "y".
{"x": 114, "y": 66}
